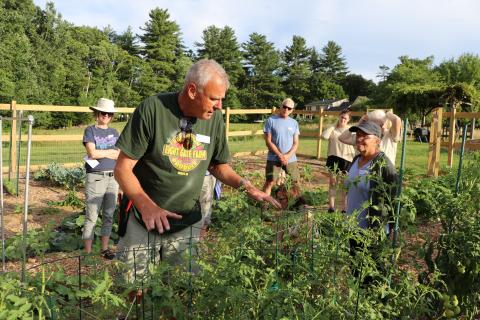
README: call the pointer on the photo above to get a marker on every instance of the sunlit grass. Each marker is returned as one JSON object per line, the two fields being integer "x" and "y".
{"x": 72, "y": 151}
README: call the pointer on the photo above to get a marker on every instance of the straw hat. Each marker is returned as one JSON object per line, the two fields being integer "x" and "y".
{"x": 104, "y": 105}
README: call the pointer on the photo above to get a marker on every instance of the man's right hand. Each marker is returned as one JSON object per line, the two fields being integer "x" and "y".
{"x": 156, "y": 217}
{"x": 283, "y": 160}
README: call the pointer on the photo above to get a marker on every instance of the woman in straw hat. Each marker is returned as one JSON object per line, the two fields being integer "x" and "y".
{"x": 100, "y": 188}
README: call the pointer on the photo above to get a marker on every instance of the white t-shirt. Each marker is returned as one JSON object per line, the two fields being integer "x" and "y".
{"x": 335, "y": 147}
{"x": 389, "y": 146}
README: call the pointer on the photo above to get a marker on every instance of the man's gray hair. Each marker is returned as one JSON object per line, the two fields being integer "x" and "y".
{"x": 202, "y": 71}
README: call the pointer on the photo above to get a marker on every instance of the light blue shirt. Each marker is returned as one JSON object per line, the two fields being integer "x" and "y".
{"x": 282, "y": 132}
{"x": 358, "y": 195}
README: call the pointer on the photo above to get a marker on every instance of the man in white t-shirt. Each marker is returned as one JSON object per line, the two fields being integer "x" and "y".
{"x": 391, "y": 126}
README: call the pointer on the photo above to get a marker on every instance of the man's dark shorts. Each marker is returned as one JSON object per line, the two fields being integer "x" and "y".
{"x": 336, "y": 164}
{"x": 272, "y": 170}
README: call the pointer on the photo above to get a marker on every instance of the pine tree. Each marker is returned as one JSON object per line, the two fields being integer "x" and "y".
{"x": 296, "y": 70}
{"x": 260, "y": 86}
{"x": 162, "y": 48}
{"x": 222, "y": 46}
{"x": 128, "y": 42}
{"x": 333, "y": 63}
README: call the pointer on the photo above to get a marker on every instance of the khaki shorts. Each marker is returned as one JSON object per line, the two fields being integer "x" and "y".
{"x": 206, "y": 198}
{"x": 138, "y": 248}
{"x": 272, "y": 170}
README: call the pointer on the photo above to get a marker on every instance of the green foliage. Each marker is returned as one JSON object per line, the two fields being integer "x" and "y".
{"x": 453, "y": 259}
{"x": 53, "y": 294}
{"x": 355, "y": 85}
{"x": 69, "y": 178}
{"x": 260, "y": 87}
{"x": 71, "y": 200}
{"x": 162, "y": 48}
{"x": 428, "y": 195}
{"x": 221, "y": 45}
{"x": 332, "y": 62}
{"x": 13, "y": 302}
{"x": 10, "y": 186}
{"x": 296, "y": 70}
{"x": 37, "y": 244}
{"x": 415, "y": 86}
{"x": 307, "y": 172}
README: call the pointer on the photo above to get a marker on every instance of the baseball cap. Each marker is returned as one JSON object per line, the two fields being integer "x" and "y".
{"x": 369, "y": 127}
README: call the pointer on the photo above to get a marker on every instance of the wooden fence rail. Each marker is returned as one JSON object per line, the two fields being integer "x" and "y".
{"x": 14, "y": 109}
{"x": 438, "y": 115}
{"x": 435, "y": 143}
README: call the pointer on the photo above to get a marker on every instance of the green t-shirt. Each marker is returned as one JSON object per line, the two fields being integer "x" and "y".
{"x": 170, "y": 174}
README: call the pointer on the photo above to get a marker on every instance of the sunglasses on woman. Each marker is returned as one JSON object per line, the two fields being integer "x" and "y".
{"x": 106, "y": 114}
{"x": 287, "y": 108}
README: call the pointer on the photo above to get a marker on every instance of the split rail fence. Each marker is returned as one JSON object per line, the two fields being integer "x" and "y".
{"x": 14, "y": 110}
{"x": 435, "y": 143}
{"x": 436, "y": 137}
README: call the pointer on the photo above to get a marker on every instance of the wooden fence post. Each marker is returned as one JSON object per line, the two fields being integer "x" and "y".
{"x": 227, "y": 122}
{"x": 451, "y": 137}
{"x": 472, "y": 130}
{"x": 12, "y": 165}
{"x": 435, "y": 141}
{"x": 320, "y": 130}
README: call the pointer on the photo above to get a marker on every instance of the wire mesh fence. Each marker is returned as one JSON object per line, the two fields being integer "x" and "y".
{"x": 268, "y": 266}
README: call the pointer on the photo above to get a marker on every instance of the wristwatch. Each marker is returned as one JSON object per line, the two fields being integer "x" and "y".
{"x": 243, "y": 185}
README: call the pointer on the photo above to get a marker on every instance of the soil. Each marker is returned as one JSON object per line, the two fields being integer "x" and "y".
{"x": 41, "y": 212}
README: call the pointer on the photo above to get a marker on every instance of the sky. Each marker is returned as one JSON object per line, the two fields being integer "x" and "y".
{"x": 371, "y": 33}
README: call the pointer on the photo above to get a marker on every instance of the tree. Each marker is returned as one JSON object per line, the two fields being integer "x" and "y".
{"x": 355, "y": 85}
{"x": 162, "y": 48}
{"x": 260, "y": 87}
{"x": 296, "y": 70}
{"x": 332, "y": 62}
{"x": 383, "y": 73}
{"x": 222, "y": 46}
{"x": 17, "y": 57}
{"x": 465, "y": 69}
{"x": 413, "y": 87}
{"x": 320, "y": 85}
{"x": 128, "y": 42}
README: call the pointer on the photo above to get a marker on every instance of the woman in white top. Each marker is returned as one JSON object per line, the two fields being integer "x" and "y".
{"x": 339, "y": 157}
{"x": 391, "y": 126}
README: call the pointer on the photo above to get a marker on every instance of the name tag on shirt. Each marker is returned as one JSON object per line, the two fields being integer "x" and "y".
{"x": 110, "y": 136}
{"x": 203, "y": 139}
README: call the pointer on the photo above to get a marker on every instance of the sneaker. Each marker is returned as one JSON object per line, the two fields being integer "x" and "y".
{"x": 331, "y": 210}
{"x": 108, "y": 254}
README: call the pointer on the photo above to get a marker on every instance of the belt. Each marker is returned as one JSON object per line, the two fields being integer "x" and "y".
{"x": 104, "y": 173}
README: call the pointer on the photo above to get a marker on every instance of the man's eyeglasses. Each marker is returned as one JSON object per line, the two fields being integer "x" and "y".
{"x": 287, "y": 108}
{"x": 106, "y": 114}
{"x": 184, "y": 137}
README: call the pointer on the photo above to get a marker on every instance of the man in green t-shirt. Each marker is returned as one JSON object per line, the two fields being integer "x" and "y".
{"x": 167, "y": 146}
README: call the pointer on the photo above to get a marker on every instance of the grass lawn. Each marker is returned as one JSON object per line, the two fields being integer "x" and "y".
{"x": 69, "y": 152}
